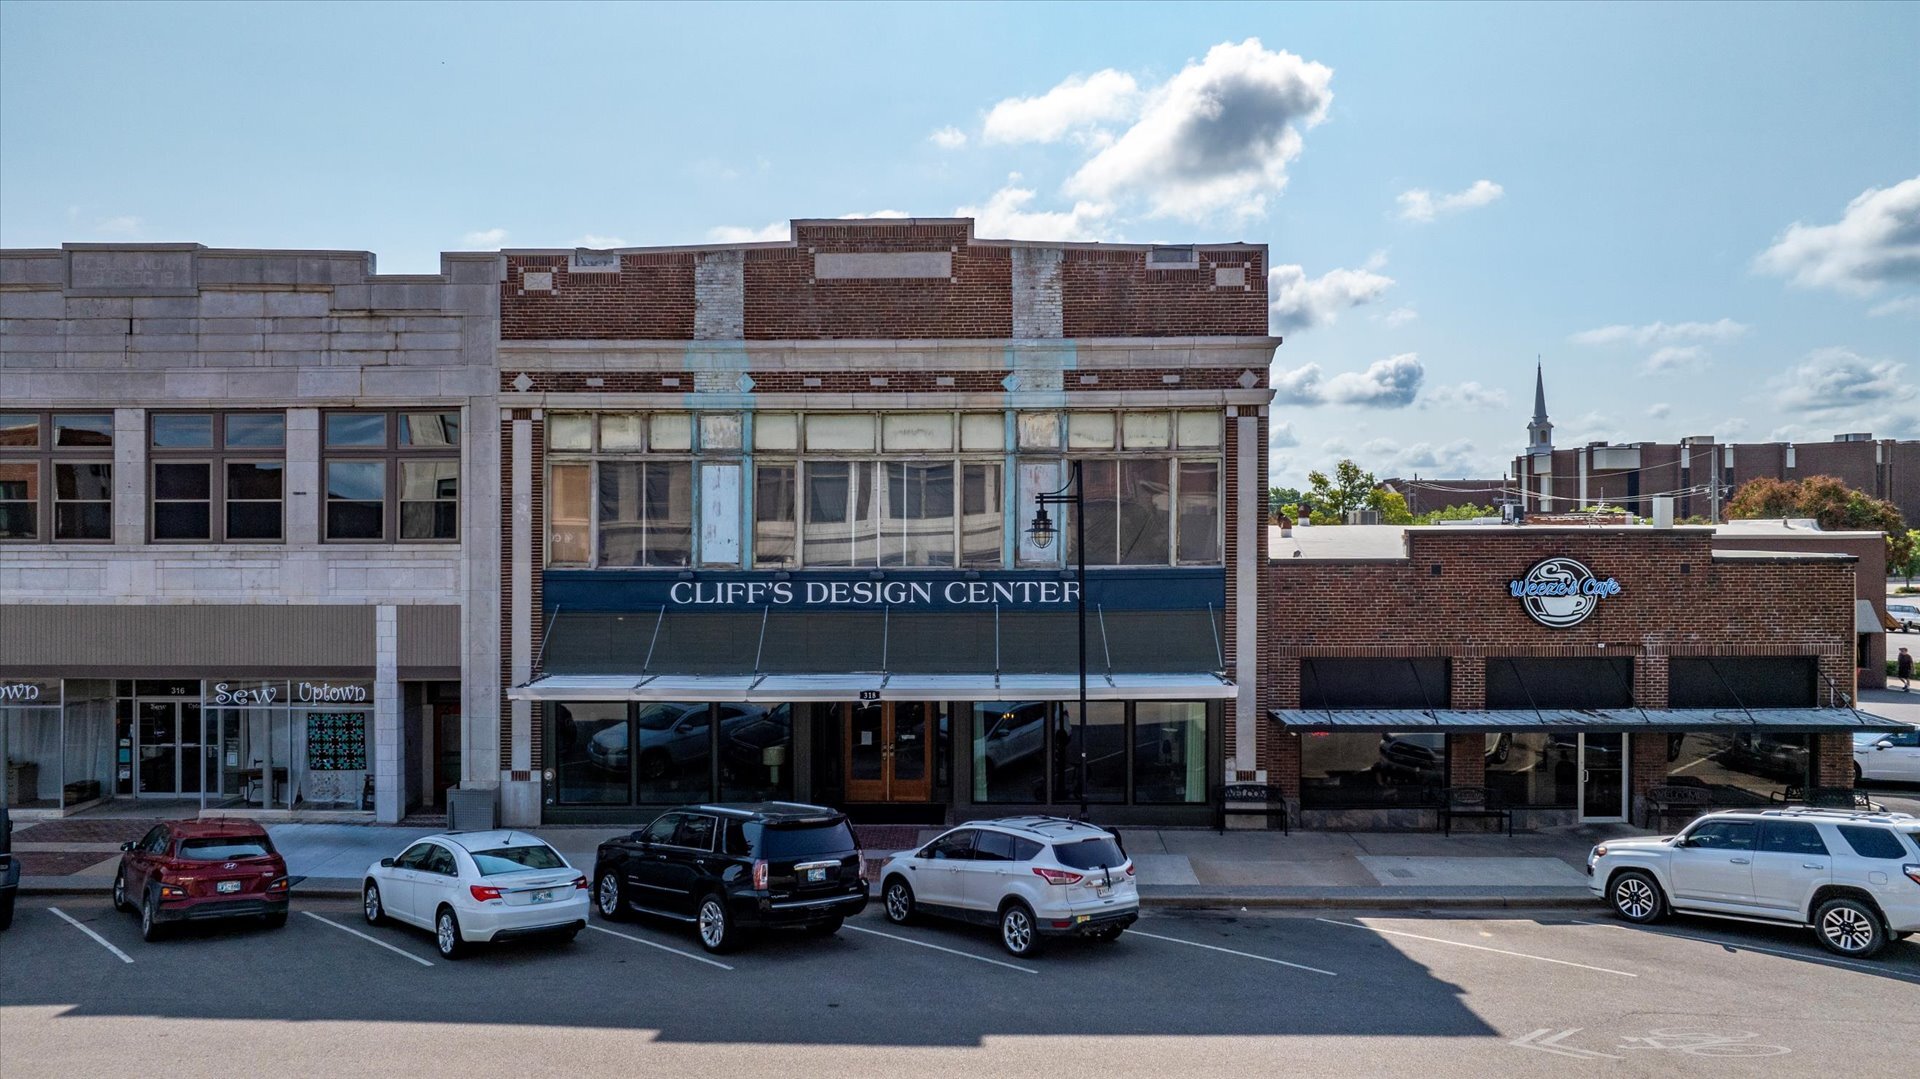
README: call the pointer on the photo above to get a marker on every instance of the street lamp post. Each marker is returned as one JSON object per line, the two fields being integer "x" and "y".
{"x": 1043, "y": 531}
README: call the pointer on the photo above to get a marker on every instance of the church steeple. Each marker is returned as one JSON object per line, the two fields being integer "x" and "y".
{"x": 1540, "y": 431}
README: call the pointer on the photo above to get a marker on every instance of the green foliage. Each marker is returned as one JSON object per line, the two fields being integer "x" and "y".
{"x": 1279, "y": 498}
{"x": 1911, "y": 567}
{"x": 1835, "y": 507}
{"x": 1456, "y": 513}
{"x": 1390, "y": 505}
{"x": 1346, "y": 490}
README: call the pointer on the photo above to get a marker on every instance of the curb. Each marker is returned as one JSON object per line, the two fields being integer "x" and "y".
{"x": 54, "y": 886}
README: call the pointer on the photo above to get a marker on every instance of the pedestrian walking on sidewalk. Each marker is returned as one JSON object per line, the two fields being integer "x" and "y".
{"x": 1904, "y": 668}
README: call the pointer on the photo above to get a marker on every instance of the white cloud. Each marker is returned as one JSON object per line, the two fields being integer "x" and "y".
{"x": 1659, "y": 410}
{"x": 1077, "y": 104}
{"x": 1836, "y": 381}
{"x": 1300, "y": 303}
{"x": 1903, "y": 305}
{"x": 741, "y": 234}
{"x": 595, "y": 242}
{"x": 1731, "y": 428}
{"x": 1876, "y": 242}
{"x": 873, "y": 214}
{"x": 948, "y": 138}
{"x": 1422, "y": 205}
{"x": 1390, "y": 383}
{"x": 1005, "y": 214}
{"x": 1399, "y": 317}
{"x": 1216, "y": 138}
{"x": 1457, "y": 459}
{"x": 1466, "y": 396}
{"x": 1280, "y": 436}
{"x": 125, "y": 226}
{"x": 485, "y": 238}
{"x": 1661, "y": 333}
{"x": 1300, "y": 386}
{"x": 1676, "y": 358}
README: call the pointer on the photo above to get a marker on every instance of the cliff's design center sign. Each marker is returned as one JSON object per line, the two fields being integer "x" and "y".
{"x": 1560, "y": 593}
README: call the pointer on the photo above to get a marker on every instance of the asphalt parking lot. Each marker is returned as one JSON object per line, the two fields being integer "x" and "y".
{"x": 1187, "y": 992}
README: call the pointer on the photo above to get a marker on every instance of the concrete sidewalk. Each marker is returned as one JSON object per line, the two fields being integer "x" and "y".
{"x": 1177, "y": 867}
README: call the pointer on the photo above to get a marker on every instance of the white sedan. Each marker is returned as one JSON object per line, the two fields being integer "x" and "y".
{"x": 476, "y": 887}
{"x": 1894, "y": 757}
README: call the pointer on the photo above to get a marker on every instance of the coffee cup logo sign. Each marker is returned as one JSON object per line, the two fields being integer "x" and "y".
{"x": 1560, "y": 593}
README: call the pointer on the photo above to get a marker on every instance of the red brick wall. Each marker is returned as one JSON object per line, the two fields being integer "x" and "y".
{"x": 1677, "y": 600}
{"x": 1103, "y": 293}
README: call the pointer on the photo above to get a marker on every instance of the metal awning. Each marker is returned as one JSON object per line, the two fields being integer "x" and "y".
{"x": 1865, "y": 618}
{"x": 1592, "y": 720}
{"x": 778, "y": 688}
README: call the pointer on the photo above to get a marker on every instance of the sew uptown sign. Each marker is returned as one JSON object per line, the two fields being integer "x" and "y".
{"x": 1561, "y": 593}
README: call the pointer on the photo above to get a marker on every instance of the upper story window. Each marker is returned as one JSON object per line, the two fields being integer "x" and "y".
{"x": 897, "y": 489}
{"x": 217, "y": 477}
{"x": 390, "y": 475}
{"x": 56, "y": 477}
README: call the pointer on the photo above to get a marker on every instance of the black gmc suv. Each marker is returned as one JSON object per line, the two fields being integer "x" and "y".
{"x": 731, "y": 868}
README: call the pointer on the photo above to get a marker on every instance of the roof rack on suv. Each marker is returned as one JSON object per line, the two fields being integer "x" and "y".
{"x": 1882, "y": 817}
{"x": 1042, "y": 818}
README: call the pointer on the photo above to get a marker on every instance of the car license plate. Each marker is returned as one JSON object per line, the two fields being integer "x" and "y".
{"x": 543, "y": 897}
{"x": 227, "y": 886}
{"x": 815, "y": 876}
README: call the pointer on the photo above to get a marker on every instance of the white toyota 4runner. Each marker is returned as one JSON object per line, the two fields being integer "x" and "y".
{"x": 1853, "y": 877}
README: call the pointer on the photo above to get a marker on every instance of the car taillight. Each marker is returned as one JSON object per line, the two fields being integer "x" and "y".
{"x": 760, "y": 876}
{"x": 580, "y": 883}
{"x": 277, "y": 884}
{"x": 172, "y": 891}
{"x": 482, "y": 893}
{"x": 1056, "y": 876}
{"x": 1129, "y": 869}
{"x": 1912, "y": 872}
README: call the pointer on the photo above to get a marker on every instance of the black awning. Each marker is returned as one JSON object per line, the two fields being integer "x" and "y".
{"x": 1592, "y": 720}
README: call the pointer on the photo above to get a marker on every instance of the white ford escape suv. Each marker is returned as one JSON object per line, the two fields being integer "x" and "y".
{"x": 1853, "y": 877}
{"x": 1032, "y": 877}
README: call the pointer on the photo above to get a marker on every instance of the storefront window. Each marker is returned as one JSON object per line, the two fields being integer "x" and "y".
{"x": 1534, "y": 769}
{"x": 675, "y": 754}
{"x": 30, "y": 744}
{"x": 591, "y": 760}
{"x": 1010, "y": 751}
{"x": 1398, "y": 768}
{"x": 1170, "y": 752}
{"x": 1738, "y": 767}
{"x": 1106, "y": 751}
{"x": 756, "y": 752}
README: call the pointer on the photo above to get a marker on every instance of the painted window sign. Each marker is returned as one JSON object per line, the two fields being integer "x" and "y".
{"x": 1561, "y": 593}
{"x": 334, "y": 692}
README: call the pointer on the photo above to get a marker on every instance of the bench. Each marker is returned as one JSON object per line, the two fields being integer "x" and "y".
{"x": 1470, "y": 802}
{"x": 1664, "y": 801}
{"x": 1242, "y": 799}
{"x": 1826, "y": 798}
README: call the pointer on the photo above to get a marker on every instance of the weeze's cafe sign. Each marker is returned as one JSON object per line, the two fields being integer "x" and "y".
{"x": 1560, "y": 593}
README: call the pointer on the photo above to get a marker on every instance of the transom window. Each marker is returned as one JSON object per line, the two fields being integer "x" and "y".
{"x": 56, "y": 477}
{"x": 217, "y": 477}
{"x": 898, "y": 489}
{"x": 391, "y": 475}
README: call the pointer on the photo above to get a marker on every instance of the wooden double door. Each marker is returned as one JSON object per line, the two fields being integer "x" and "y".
{"x": 888, "y": 755}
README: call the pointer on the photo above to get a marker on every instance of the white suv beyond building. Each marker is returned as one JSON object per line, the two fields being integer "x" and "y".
{"x": 1033, "y": 877}
{"x": 1853, "y": 877}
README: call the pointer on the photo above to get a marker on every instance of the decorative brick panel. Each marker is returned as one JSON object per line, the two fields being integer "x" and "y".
{"x": 1466, "y": 760}
{"x": 1114, "y": 294}
{"x": 651, "y": 298}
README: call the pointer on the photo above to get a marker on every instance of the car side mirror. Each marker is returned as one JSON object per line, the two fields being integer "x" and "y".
{"x": 386, "y": 863}
{"x": 128, "y": 845}
{"x": 1682, "y": 841}
{"x": 1883, "y": 743}
{"x": 639, "y": 837}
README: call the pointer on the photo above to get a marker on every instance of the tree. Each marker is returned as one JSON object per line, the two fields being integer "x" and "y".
{"x": 1765, "y": 497}
{"x": 1278, "y": 498}
{"x": 1390, "y": 505}
{"x": 1833, "y": 505}
{"x": 1911, "y": 567}
{"x": 1347, "y": 490}
{"x": 1456, "y": 513}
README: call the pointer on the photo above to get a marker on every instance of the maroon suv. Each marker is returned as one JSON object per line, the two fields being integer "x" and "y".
{"x": 191, "y": 870}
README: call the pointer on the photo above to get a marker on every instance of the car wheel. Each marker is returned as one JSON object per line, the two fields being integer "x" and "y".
{"x": 275, "y": 921}
{"x": 898, "y": 899}
{"x": 607, "y": 898}
{"x": 151, "y": 928}
{"x": 1850, "y": 927}
{"x": 1636, "y": 897}
{"x": 1018, "y": 934}
{"x": 654, "y": 765}
{"x": 371, "y": 906}
{"x": 715, "y": 924}
{"x": 120, "y": 891}
{"x": 6, "y": 910}
{"x": 825, "y": 929}
{"x": 446, "y": 935}
{"x": 1857, "y": 777}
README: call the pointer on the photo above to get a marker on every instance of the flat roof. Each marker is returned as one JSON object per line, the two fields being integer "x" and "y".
{"x": 1368, "y": 543}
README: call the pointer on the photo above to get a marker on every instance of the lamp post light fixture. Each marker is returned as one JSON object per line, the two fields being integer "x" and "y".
{"x": 1042, "y": 532}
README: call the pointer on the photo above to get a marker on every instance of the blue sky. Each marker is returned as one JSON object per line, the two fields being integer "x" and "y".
{"x": 1705, "y": 218}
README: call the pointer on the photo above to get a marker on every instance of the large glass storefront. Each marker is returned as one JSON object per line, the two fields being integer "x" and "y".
{"x": 55, "y": 743}
{"x": 1140, "y": 753}
{"x": 670, "y": 752}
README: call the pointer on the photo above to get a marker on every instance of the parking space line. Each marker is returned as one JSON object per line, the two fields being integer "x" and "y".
{"x": 368, "y": 939}
{"x": 1230, "y": 951}
{"x": 1742, "y": 946}
{"x": 662, "y": 947}
{"x": 1479, "y": 947}
{"x": 938, "y": 948}
{"x": 102, "y": 941}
